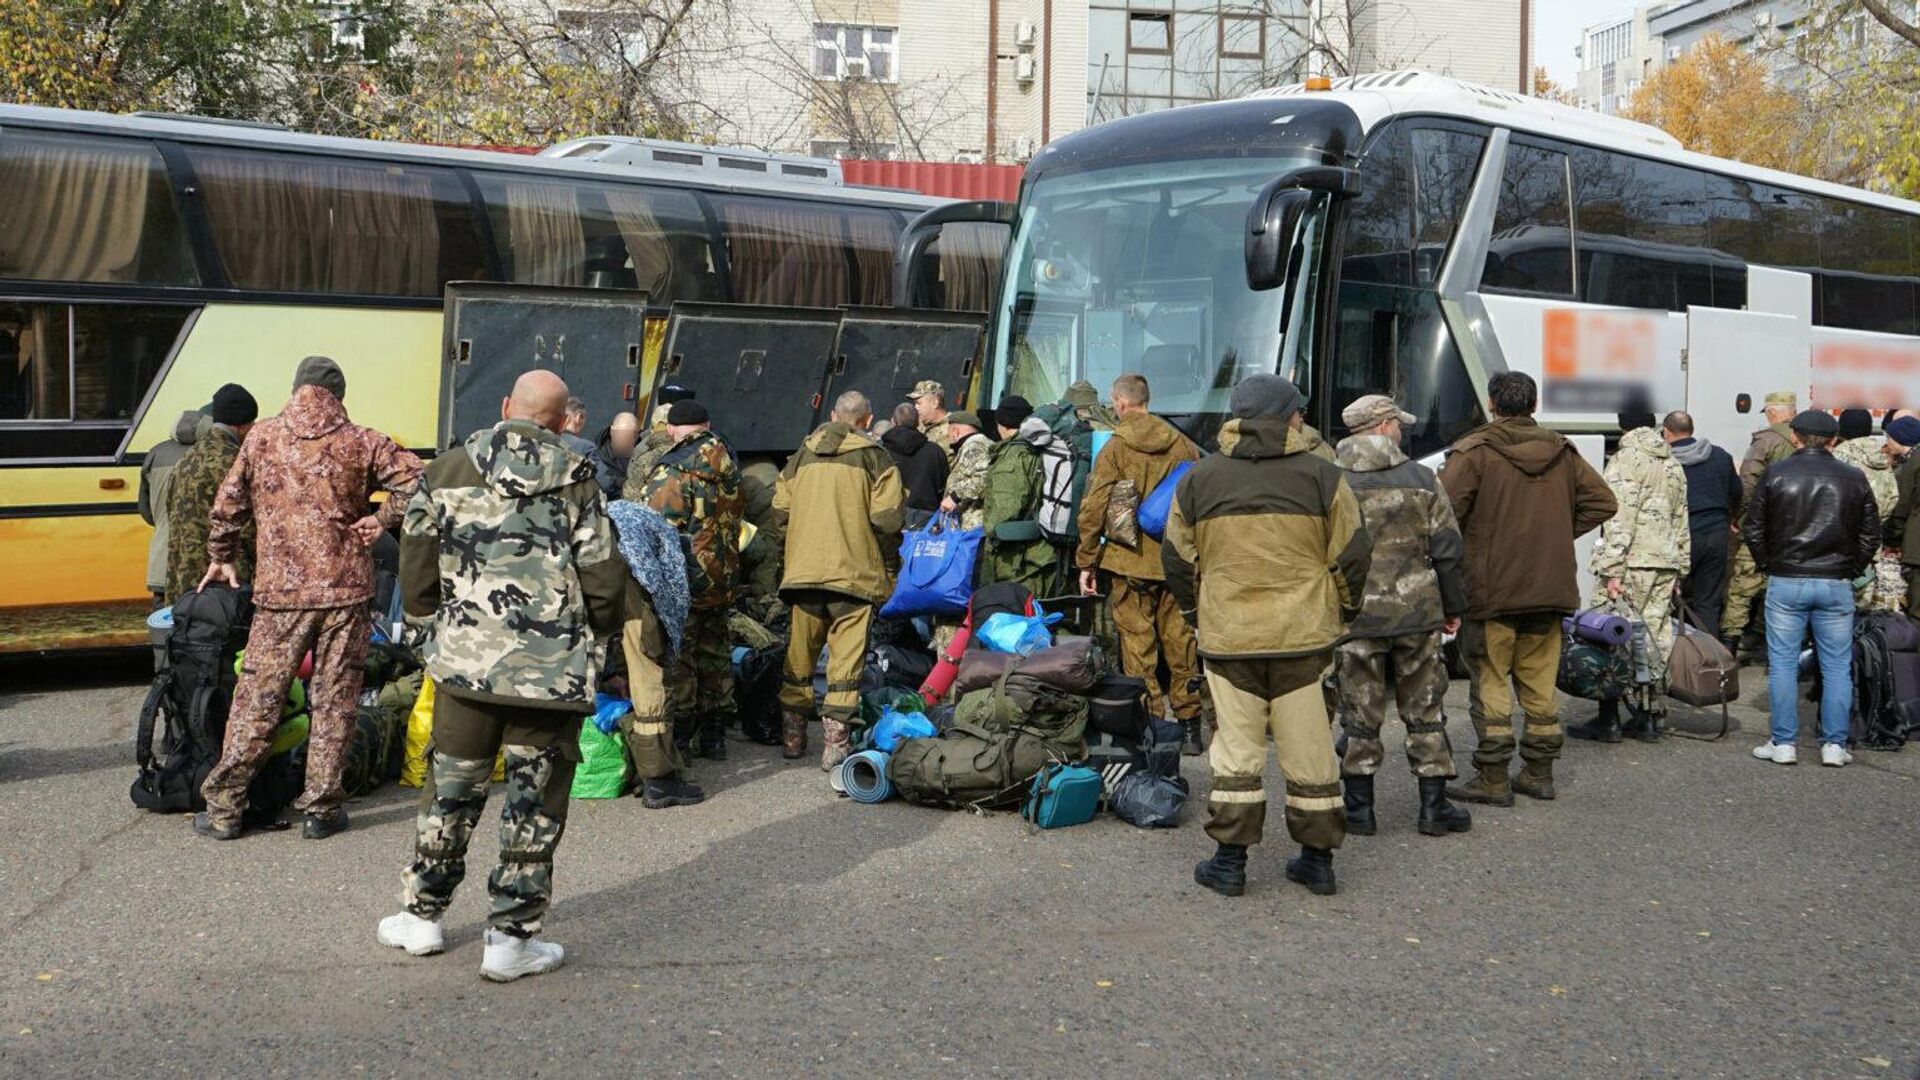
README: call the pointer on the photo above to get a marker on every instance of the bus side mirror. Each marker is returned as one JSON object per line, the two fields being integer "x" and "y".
{"x": 1276, "y": 215}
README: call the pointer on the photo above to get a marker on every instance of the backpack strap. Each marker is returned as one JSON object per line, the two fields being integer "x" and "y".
{"x": 149, "y": 712}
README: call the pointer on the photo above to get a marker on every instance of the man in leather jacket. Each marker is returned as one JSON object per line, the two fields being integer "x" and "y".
{"x": 1813, "y": 528}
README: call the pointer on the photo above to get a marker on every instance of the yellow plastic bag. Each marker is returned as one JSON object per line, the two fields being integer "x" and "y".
{"x": 413, "y": 772}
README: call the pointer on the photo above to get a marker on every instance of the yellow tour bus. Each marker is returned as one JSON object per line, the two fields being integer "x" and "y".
{"x": 146, "y": 260}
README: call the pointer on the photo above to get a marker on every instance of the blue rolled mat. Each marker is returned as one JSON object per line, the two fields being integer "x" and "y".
{"x": 864, "y": 775}
{"x": 1600, "y": 628}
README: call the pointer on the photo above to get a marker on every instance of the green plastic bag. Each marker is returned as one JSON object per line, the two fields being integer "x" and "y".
{"x": 875, "y": 703}
{"x": 603, "y": 771}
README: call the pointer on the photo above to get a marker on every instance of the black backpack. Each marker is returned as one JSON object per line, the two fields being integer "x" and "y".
{"x": 1885, "y": 672}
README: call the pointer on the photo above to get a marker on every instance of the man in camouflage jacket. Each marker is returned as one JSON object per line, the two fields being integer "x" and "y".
{"x": 1415, "y": 591}
{"x": 508, "y": 556}
{"x": 696, "y": 487}
{"x": 189, "y": 494}
{"x": 1886, "y": 590}
{"x": 967, "y": 480}
{"x": 1643, "y": 550}
{"x": 305, "y": 478}
{"x": 1745, "y": 584}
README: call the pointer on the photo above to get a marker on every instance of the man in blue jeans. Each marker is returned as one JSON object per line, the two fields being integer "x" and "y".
{"x": 1813, "y": 528}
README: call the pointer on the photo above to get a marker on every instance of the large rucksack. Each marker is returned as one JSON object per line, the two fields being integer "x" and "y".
{"x": 1001, "y": 736}
{"x": 1886, "y": 680}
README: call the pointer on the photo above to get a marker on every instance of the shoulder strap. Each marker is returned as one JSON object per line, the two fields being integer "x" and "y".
{"x": 149, "y": 712}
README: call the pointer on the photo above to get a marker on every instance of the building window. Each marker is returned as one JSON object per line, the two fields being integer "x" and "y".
{"x": 1150, "y": 32}
{"x": 854, "y": 52}
{"x": 1243, "y": 37}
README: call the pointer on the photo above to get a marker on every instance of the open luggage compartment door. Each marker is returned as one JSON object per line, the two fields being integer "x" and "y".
{"x": 884, "y": 351}
{"x": 760, "y": 371}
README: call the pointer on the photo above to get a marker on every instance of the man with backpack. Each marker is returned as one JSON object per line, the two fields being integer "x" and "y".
{"x": 195, "y": 481}
{"x": 1144, "y": 451}
{"x": 1028, "y": 502}
{"x": 305, "y": 477}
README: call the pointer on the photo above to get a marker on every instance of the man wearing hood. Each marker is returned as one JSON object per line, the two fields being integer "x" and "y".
{"x": 1522, "y": 495}
{"x": 1713, "y": 504}
{"x": 922, "y": 463}
{"x": 190, "y": 491}
{"x": 1143, "y": 451}
{"x": 1643, "y": 550}
{"x": 1267, "y": 556}
{"x": 156, "y": 480}
{"x": 1028, "y": 497}
{"x": 1886, "y": 589}
{"x": 305, "y": 478}
{"x": 509, "y": 559}
{"x": 840, "y": 503}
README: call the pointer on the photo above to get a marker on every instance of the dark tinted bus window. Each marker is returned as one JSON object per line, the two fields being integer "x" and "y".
{"x": 296, "y": 223}
{"x": 961, "y": 267}
{"x": 1867, "y": 280}
{"x": 785, "y": 253}
{"x": 1641, "y": 235}
{"x": 1444, "y": 164}
{"x": 559, "y": 232}
{"x": 1788, "y": 232}
{"x": 72, "y": 376}
{"x": 1395, "y": 341}
{"x": 872, "y": 235}
{"x": 1531, "y": 250}
{"x": 89, "y": 209}
{"x": 1379, "y": 222}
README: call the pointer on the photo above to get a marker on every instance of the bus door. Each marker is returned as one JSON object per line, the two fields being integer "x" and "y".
{"x": 592, "y": 338}
{"x": 883, "y": 352}
{"x": 1734, "y": 360}
{"x": 760, "y": 371}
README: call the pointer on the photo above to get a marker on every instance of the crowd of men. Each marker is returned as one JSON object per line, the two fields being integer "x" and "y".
{"x": 1293, "y": 579}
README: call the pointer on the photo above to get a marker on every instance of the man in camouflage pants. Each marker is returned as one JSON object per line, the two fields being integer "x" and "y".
{"x": 1414, "y": 591}
{"x": 508, "y": 560}
{"x": 1886, "y": 588}
{"x": 696, "y": 487}
{"x": 305, "y": 477}
{"x": 1745, "y": 583}
{"x": 1642, "y": 552}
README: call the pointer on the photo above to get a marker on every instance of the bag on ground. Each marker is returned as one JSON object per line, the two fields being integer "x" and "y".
{"x": 1018, "y": 634}
{"x": 1148, "y": 801}
{"x": 1118, "y": 706}
{"x": 603, "y": 772}
{"x": 1072, "y": 665}
{"x": 1062, "y": 795}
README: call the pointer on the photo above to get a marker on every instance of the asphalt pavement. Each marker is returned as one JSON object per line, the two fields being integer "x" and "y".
{"x": 1680, "y": 910}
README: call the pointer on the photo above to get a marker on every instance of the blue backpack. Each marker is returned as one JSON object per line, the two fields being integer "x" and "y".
{"x": 1158, "y": 505}
{"x": 1062, "y": 795}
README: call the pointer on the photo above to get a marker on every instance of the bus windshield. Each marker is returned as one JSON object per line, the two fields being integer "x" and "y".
{"x": 1139, "y": 268}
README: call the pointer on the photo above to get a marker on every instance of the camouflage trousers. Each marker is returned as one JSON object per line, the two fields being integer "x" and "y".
{"x": 1151, "y": 627}
{"x": 1281, "y": 699}
{"x": 647, "y": 729}
{"x": 542, "y": 748}
{"x": 1888, "y": 589}
{"x": 1649, "y": 595}
{"x": 277, "y": 643}
{"x": 1514, "y": 652}
{"x": 1744, "y": 585}
{"x": 838, "y": 624}
{"x": 1413, "y": 666}
{"x": 700, "y": 676}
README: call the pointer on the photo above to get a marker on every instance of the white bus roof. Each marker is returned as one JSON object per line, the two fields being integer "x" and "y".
{"x": 1376, "y": 97}
{"x": 662, "y": 169}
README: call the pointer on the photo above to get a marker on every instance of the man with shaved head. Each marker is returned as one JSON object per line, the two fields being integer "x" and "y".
{"x": 615, "y": 451}
{"x": 509, "y": 559}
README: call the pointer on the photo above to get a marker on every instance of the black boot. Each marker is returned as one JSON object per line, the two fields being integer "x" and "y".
{"x": 1604, "y": 727}
{"x": 660, "y": 792}
{"x": 1226, "y": 872}
{"x": 321, "y": 826}
{"x": 713, "y": 737}
{"x": 1191, "y": 744}
{"x": 1313, "y": 867}
{"x": 1358, "y": 792}
{"x": 1438, "y": 817}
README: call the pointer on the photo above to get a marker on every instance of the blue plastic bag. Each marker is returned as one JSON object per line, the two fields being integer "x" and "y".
{"x": 607, "y": 711}
{"x": 895, "y": 727}
{"x": 1155, "y": 508}
{"x": 1019, "y": 634}
{"x": 936, "y": 570}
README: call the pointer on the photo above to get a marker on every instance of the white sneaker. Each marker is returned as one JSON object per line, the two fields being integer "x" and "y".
{"x": 1835, "y": 755}
{"x": 1778, "y": 753}
{"x": 420, "y": 937}
{"x": 508, "y": 958}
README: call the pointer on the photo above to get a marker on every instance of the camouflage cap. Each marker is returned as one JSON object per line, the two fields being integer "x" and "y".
{"x": 1371, "y": 410}
{"x": 1081, "y": 395}
{"x": 972, "y": 419}
{"x": 927, "y": 388}
{"x": 1783, "y": 399}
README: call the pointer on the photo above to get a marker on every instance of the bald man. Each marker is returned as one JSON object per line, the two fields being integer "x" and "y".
{"x": 615, "y": 451}
{"x": 515, "y": 660}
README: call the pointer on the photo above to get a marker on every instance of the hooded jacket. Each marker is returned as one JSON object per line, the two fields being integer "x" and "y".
{"x": 1713, "y": 485}
{"x": 156, "y": 480}
{"x": 1522, "y": 495}
{"x": 840, "y": 503}
{"x": 303, "y": 477}
{"x": 191, "y": 488}
{"x": 696, "y": 487}
{"x": 922, "y": 464}
{"x": 508, "y": 551}
{"x": 1650, "y": 530}
{"x": 1414, "y": 584}
{"x": 1265, "y": 549}
{"x": 1144, "y": 449}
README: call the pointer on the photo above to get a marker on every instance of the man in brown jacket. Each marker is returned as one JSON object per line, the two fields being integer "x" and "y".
{"x": 1522, "y": 495}
{"x": 305, "y": 478}
{"x": 1266, "y": 553}
{"x": 841, "y": 503}
{"x": 1143, "y": 450}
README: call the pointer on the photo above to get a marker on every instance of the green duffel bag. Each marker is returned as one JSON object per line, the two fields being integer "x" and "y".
{"x": 967, "y": 767}
{"x": 1021, "y": 702}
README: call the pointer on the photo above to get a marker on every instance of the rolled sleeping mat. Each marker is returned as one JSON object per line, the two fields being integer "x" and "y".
{"x": 1601, "y": 628}
{"x": 864, "y": 775}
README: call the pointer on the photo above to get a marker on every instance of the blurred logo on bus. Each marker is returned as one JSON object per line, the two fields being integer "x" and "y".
{"x": 1598, "y": 361}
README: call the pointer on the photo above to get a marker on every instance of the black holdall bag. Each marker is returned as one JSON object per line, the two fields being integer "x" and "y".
{"x": 1118, "y": 707}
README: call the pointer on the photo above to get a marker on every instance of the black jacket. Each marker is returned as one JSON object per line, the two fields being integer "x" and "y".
{"x": 1812, "y": 517}
{"x": 1713, "y": 484}
{"x": 922, "y": 465}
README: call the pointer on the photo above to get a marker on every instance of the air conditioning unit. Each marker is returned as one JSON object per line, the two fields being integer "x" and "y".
{"x": 1023, "y": 69}
{"x": 1024, "y": 35}
{"x": 856, "y": 68}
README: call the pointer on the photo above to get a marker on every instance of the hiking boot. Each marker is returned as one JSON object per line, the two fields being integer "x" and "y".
{"x": 1192, "y": 744}
{"x": 508, "y": 957}
{"x": 418, "y": 936}
{"x": 204, "y": 825}
{"x": 1642, "y": 724}
{"x": 1491, "y": 787}
{"x": 1313, "y": 867}
{"x": 660, "y": 792}
{"x": 793, "y": 735}
{"x": 764, "y": 731}
{"x": 1226, "y": 872}
{"x": 1535, "y": 780}
{"x": 1603, "y": 728}
{"x": 839, "y": 746}
{"x": 321, "y": 826}
{"x": 1438, "y": 817}
{"x": 1358, "y": 793}
{"x": 713, "y": 738}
